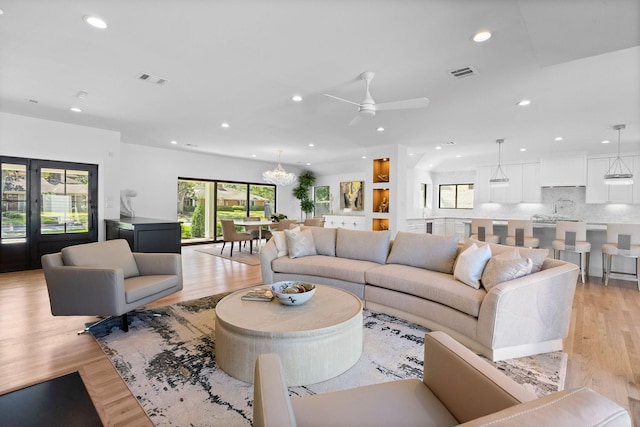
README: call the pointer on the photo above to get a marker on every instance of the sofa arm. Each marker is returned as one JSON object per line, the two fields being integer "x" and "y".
{"x": 579, "y": 407}
{"x": 90, "y": 291}
{"x": 531, "y": 309}
{"x": 158, "y": 263}
{"x": 468, "y": 386}
{"x": 268, "y": 253}
{"x": 271, "y": 402}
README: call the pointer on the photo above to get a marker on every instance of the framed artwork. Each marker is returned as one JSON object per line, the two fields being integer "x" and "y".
{"x": 352, "y": 195}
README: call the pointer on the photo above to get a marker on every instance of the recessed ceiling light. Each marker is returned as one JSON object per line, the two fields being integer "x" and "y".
{"x": 438, "y": 147}
{"x": 411, "y": 154}
{"x": 224, "y": 125}
{"x": 253, "y": 155}
{"x": 380, "y": 129}
{"x": 75, "y": 110}
{"x": 481, "y": 36}
{"x": 1, "y": 11}
{"x": 523, "y": 103}
{"x": 174, "y": 142}
{"x": 558, "y": 138}
{"x": 458, "y": 156}
{"x": 364, "y": 157}
{"x": 308, "y": 164}
{"x": 606, "y": 141}
{"x": 296, "y": 98}
{"x": 311, "y": 144}
{"x": 523, "y": 149}
{"x": 95, "y": 22}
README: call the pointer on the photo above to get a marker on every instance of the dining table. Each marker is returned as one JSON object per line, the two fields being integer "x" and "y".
{"x": 251, "y": 222}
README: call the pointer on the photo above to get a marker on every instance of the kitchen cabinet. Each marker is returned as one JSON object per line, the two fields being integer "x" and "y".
{"x": 418, "y": 225}
{"x": 531, "y": 191}
{"x": 568, "y": 170}
{"x": 455, "y": 227}
{"x": 524, "y": 184}
{"x": 353, "y": 222}
{"x": 146, "y": 234}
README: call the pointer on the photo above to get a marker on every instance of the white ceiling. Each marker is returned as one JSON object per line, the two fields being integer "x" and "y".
{"x": 240, "y": 61}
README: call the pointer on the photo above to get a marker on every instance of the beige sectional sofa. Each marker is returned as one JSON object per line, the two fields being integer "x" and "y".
{"x": 412, "y": 277}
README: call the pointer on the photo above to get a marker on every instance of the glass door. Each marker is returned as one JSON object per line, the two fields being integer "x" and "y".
{"x": 14, "y": 225}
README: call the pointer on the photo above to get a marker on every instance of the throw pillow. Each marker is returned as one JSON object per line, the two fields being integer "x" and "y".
{"x": 300, "y": 243}
{"x": 325, "y": 239}
{"x": 281, "y": 243}
{"x": 502, "y": 268}
{"x": 537, "y": 257}
{"x": 470, "y": 264}
{"x": 428, "y": 251}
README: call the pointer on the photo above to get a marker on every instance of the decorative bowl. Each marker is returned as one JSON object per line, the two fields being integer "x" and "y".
{"x": 283, "y": 293}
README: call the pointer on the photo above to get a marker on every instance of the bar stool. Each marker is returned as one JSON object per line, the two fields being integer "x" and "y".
{"x": 520, "y": 233}
{"x": 571, "y": 236}
{"x": 623, "y": 240}
{"x": 482, "y": 229}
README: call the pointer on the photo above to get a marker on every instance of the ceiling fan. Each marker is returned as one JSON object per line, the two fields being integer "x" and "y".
{"x": 368, "y": 106}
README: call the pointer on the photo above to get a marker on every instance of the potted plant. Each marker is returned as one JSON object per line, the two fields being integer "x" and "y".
{"x": 302, "y": 192}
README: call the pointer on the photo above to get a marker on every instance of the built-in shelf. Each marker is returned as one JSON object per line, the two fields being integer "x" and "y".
{"x": 381, "y": 170}
{"x": 380, "y": 224}
{"x": 380, "y": 200}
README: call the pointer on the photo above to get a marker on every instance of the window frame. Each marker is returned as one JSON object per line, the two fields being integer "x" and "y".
{"x": 456, "y": 196}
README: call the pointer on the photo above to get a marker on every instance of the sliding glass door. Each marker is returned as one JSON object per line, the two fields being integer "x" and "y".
{"x": 202, "y": 204}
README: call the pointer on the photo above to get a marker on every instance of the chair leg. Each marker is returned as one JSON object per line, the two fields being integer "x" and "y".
{"x": 608, "y": 267}
{"x": 232, "y": 243}
{"x": 555, "y": 254}
{"x": 223, "y": 243}
{"x": 124, "y": 325}
{"x": 604, "y": 266}
{"x": 582, "y": 263}
{"x": 588, "y": 261}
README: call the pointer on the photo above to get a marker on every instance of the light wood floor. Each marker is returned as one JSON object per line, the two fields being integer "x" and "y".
{"x": 603, "y": 342}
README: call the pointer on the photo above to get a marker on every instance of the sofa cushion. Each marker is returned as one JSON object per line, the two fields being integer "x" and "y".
{"x": 111, "y": 253}
{"x": 362, "y": 245}
{"x": 428, "y": 251}
{"x": 537, "y": 255}
{"x": 280, "y": 240}
{"x": 325, "y": 239}
{"x": 470, "y": 264}
{"x": 345, "y": 269}
{"x": 431, "y": 285}
{"x": 300, "y": 243}
{"x": 502, "y": 268}
{"x": 137, "y": 288}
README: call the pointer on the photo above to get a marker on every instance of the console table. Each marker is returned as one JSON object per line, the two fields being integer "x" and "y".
{"x": 146, "y": 234}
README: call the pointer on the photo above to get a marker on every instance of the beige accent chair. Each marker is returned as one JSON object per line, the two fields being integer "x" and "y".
{"x": 487, "y": 223}
{"x": 458, "y": 388}
{"x": 611, "y": 248}
{"x": 314, "y": 222}
{"x": 579, "y": 246}
{"x": 230, "y": 234}
{"x": 286, "y": 224}
{"x": 107, "y": 279}
{"x": 527, "y": 226}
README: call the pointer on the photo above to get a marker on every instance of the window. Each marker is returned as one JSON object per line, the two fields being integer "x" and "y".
{"x": 456, "y": 196}
{"x": 322, "y": 199}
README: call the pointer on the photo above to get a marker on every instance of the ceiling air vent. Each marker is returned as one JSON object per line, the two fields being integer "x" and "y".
{"x": 145, "y": 77}
{"x": 460, "y": 73}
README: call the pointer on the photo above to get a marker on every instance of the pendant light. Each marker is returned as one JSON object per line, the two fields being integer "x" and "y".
{"x": 278, "y": 176}
{"x": 499, "y": 178}
{"x": 619, "y": 173}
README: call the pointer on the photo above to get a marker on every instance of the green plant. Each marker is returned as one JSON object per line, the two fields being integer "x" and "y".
{"x": 302, "y": 191}
{"x": 197, "y": 221}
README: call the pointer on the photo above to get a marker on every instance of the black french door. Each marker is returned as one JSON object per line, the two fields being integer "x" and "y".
{"x": 46, "y": 206}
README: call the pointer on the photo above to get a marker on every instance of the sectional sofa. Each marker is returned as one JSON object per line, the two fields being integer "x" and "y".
{"x": 500, "y": 301}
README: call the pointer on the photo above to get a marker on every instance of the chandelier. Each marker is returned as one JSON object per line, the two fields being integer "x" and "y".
{"x": 278, "y": 176}
{"x": 618, "y": 173}
{"x": 499, "y": 178}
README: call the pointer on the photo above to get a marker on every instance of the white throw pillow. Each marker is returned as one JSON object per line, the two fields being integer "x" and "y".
{"x": 300, "y": 243}
{"x": 281, "y": 243}
{"x": 470, "y": 265}
{"x": 502, "y": 268}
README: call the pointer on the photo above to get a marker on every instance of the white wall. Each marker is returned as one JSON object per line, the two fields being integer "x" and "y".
{"x": 28, "y": 137}
{"x": 154, "y": 172}
{"x": 333, "y": 181}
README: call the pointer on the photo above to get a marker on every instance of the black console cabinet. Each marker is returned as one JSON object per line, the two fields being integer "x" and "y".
{"x": 146, "y": 234}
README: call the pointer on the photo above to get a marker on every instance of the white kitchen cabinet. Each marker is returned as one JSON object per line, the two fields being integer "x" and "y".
{"x": 438, "y": 226}
{"x": 513, "y": 193}
{"x": 563, "y": 171}
{"x": 416, "y": 225}
{"x": 455, "y": 227}
{"x": 531, "y": 191}
{"x": 352, "y": 222}
{"x": 599, "y": 192}
{"x": 482, "y": 190}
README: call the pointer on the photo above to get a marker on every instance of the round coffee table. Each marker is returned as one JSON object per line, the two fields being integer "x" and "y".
{"x": 315, "y": 341}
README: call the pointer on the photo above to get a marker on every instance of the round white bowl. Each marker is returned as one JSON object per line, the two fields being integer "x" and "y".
{"x": 291, "y": 299}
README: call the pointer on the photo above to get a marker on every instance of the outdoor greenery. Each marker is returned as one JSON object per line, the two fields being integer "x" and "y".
{"x": 197, "y": 220}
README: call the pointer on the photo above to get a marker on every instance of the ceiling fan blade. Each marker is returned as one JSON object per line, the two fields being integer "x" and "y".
{"x": 405, "y": 104}
{"x": 341, "y": 99}
{"x": 355, "y": 120}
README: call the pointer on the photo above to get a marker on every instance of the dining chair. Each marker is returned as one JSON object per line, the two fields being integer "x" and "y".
{"x": 571, "y": 236}
{"x": 230, "y": 234}
{"x": 520, "y": 233}
{"x": 314, "y": 222}
{"x": 482, "y": 229}
{"x": 285, "y": 224}
{"x": 623, "y": 240}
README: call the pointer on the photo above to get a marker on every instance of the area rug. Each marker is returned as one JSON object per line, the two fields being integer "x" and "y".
{"x": 168, "y": 363}
{"x": 239, "y": 256}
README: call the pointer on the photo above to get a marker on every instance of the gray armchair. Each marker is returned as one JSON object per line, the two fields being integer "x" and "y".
{"x": 107, "y": 279}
